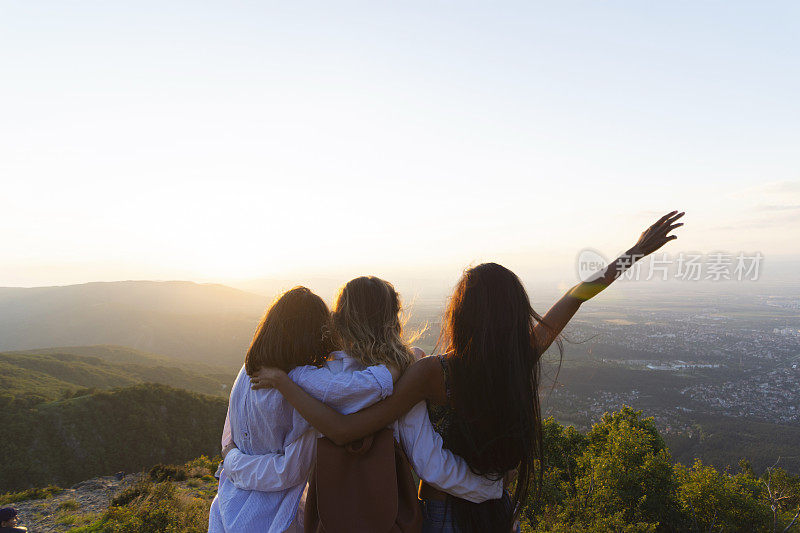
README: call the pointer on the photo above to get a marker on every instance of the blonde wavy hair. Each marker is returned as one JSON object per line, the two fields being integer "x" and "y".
{"x": 366, "y": 319}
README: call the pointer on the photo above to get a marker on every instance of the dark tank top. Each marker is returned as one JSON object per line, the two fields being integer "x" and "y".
{"x": 442, "y": 415}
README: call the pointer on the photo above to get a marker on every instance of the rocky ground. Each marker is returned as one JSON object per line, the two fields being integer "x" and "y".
{"x": 72, "y": 507}
{"x": 179, "y": 493}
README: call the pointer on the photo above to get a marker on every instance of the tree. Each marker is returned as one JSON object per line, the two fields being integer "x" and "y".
{"x": 620, "y": 474}
{"x": 782, "y": 493}
{"x": 717, "y": 501}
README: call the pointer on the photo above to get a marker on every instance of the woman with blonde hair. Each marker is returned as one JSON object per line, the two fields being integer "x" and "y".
{"x": 367, "y": 323}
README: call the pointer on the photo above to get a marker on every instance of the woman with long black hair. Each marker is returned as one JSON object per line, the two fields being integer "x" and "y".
{"x": 482, "y": 393}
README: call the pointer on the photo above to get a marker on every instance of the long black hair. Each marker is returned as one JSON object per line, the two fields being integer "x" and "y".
{"x": 495, "y": 369}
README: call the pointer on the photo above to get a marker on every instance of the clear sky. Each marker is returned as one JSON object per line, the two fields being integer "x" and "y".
{"x": 223, "y": 140}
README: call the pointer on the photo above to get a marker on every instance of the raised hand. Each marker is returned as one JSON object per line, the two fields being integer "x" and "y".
{"x": 656, "y": 235}
{"x": 562, "y": 312}
{"x": 267, "y": 378}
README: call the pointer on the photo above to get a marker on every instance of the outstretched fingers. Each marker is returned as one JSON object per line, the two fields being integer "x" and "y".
{"x": 677, "y": 216}
{"x": 669, "y": 223}
{"x": 672, "y": 219}
{"x": 664, "y": 218}
{"x": 670, "y": 228}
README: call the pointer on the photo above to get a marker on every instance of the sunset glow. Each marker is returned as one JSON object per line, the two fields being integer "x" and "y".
{"x": 314, "y": 140}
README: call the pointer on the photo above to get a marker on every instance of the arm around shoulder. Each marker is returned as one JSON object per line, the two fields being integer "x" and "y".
{"x": 416, "y": 384}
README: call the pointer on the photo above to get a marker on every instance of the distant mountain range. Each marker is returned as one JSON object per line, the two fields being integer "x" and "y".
{"x": 183, "y": 320}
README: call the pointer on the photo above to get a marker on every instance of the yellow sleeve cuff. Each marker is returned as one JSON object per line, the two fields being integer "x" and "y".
{"x": 585, "y": 291}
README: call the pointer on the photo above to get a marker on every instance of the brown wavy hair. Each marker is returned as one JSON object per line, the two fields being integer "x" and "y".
{"x": 367, "y": 323}
{"x": 295, "y": 331}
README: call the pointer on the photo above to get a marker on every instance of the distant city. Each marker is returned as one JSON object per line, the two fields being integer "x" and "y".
{"x": 726, "y": 356}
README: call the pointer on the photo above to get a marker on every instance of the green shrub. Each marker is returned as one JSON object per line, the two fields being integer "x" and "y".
{"x": 167, "y": 473}
{"x": 131, "y": 493}
{"x": 158, "y": 508}
{"x": 202, "y": 466}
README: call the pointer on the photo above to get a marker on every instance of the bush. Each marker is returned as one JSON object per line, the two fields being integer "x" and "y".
{"x": 157, "y": 508}
{"x": 167, "y": 473}
{"x": 202, "y": 466}
{"x": 131, "y": 493}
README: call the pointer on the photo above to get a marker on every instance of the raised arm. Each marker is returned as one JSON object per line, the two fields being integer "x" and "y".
{"x": 421, "y": 381}
{"x": 562, "y": 312}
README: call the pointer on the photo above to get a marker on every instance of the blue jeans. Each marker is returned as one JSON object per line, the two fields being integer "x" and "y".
{"x": 437, "y": 517}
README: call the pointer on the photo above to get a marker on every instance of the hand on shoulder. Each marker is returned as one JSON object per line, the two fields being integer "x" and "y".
{"x": 268, "y": 378}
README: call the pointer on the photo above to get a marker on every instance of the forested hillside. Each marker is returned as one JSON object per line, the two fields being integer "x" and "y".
{"x": 102, "y": 432}
{"x": 78, "y": 412}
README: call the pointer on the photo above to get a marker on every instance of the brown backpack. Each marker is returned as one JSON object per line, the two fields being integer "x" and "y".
{"x": 364, "y": 487}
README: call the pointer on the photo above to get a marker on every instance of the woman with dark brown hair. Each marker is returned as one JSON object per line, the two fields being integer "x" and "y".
{"x": 294, "y": 335}
{"x": 482, "y": 393}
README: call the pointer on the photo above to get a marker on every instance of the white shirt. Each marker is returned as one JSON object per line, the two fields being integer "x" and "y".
{"x": 262, "y": 480}
{"x": 262, "y": 422}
